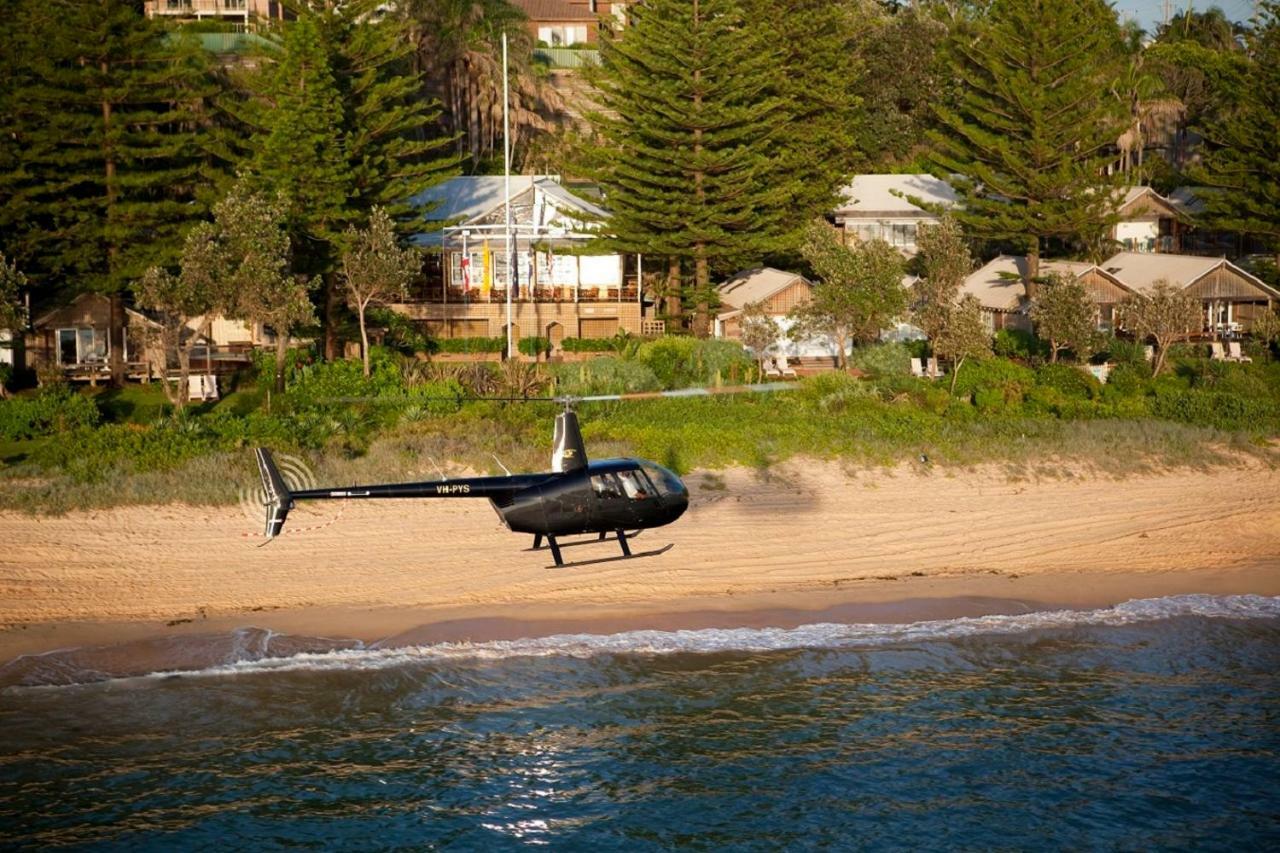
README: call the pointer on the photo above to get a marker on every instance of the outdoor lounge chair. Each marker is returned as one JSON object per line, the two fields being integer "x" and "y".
{"x": 1234, "y": 353}
{"x": 917, "y": 367}
{"x": 771, "y": 369}
{"x": 787, "y": 371}
{"x": 932, "y": 369}
{"x": 1216, "y": 352}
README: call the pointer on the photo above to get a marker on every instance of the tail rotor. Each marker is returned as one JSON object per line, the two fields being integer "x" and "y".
{"x": 278, "y": 499}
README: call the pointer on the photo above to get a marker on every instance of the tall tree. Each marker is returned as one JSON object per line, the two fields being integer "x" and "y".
{"x": 859, "y": 292}
{"x": 1242, "y": 161}
{"x": 260, "y": 271}
{"x": 1028, "y": 141}
{"x": 341, "y": 127}
{"x": 945, "y": 262}
{"x": 102, "y": 150}
{"x": 199, "y": 292}
{"x": 376, "y": 269}
{"x": 686, "y": 133}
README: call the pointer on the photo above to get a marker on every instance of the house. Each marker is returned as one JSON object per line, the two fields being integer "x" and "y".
{"x": 1232, "y": 297}
{"x": 875, "y": 207}
{"x": 1149, "y": 222}
{"x": 561, "y": 23}
{"x": 241, "y": 12}
{"x": 778, "y": 292}
{"x": 560, "y": 286}
{"x": 76, "y": 337}
{"x": 998, "y": 286}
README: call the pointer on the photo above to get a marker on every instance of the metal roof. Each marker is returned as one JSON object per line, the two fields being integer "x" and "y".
{"x": 1140, "y": 271}
{"x": 874, "y": 194}
{"x": 755, "y": 285}
{"x": 998, "y": 283}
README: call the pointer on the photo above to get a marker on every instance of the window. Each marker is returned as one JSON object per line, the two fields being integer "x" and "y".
{"x": 81, "y": 345}
{"x": 631, "y": 485}
{"x": 606, "y": 486}
{"x": 666, "y": 482}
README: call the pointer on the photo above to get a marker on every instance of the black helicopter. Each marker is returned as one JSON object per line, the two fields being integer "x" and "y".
{"x": 609, "y": 496}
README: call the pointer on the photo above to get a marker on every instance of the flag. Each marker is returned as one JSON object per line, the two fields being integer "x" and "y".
{"x": 513, "y": 271}
{"x": 466, "y": 272}
{"x": 551, "y": 257}
{"x": 486, "y": 280}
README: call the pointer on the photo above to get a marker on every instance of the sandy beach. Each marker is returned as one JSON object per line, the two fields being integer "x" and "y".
{"x": 794, "y": 544}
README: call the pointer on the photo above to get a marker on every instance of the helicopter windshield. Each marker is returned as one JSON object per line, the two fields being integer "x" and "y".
{"x": 664, "y": 481}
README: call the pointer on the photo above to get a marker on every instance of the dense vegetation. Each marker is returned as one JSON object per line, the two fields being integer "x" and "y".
{"x": 72, "y": 450}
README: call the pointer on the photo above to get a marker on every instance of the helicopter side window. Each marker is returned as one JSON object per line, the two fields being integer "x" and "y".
{"x": 606, "y": 486}
{"x": 635, "y": 484}
{"x": 666, "y": 482}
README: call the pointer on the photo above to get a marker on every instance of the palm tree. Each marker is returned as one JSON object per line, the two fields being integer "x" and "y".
{"x": 459, "y": 53}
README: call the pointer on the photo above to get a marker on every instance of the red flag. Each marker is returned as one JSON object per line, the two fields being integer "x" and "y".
{"x": 466, "y": 273}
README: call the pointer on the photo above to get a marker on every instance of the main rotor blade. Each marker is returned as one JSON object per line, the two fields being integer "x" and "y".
{"x": 761, "y": 388}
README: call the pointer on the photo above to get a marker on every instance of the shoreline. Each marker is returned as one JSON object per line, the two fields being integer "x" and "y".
{"x": 103, "y": 650}
{"x": 797, "y": 544}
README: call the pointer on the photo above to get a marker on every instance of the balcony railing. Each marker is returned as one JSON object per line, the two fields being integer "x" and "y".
{"x": 560, "y": 57}
{"x": 199, "y": 8}
{"x": 497, "y": 295}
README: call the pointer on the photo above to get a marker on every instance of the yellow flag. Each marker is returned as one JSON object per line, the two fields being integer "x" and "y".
{"x": 486, "y": 279}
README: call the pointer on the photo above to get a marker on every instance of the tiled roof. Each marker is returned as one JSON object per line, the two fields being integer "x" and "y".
{"x": 553, "y": 10}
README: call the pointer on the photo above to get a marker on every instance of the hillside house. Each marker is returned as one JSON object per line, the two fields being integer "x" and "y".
{"x": 999, "y": 288}
{"x": 1149, "y": 222}
{"x": 779, "y": 292}
{"x": 560, "y": 287}
{"x": 1231, "y": 296}
{"x": 875, "y": 207}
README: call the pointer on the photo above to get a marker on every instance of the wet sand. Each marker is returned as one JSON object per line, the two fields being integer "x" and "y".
{"x": 802, "y": 543}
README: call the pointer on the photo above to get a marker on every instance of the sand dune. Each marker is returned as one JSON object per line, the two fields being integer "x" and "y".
{"x": 817, "y": 533}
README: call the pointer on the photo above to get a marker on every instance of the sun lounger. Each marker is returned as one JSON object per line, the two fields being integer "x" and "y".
{"x": 932, "y": 369}
{"x": 917, "y": 367}
{"x": 1234, "y": 353}
{"x": 1149, "y": 352}
{"x": 771, "y": 369}
{"x": 788, "y": 372}
{"x": 1216, "y": 352}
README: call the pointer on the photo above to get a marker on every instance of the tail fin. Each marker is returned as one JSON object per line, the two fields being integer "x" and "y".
{"x": 279, "y": 501}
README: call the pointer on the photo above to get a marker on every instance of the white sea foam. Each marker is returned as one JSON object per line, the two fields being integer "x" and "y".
{"x": 816, "y": 636}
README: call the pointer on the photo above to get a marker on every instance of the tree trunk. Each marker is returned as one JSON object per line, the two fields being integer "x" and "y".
{"x": 364, "y": 340}
{"x": 330, "y": 317}
{"x": 1161, "y": 350}
{"x": 115, "y": 337}
{"x": 1033, "y": 269}
{"x": 183, "y": 395}
{"x": 955, "y": 372}
{"x": 701, "y": 284}
{"x": 282, "y": 353}
{"x": 1053, "y": 352}
{"x": 674, "y": 304}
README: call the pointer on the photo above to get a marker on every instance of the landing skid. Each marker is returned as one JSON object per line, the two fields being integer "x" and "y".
{"x": 555, "y": 546}
{"x": 634, "y": 556}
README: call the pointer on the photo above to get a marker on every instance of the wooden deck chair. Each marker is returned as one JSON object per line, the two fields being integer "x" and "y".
{"x": 917, "y": 367}
{"x": 787, "y": 371}
{"x": 1234, "y": 353}
{"x": 932, "y": 369}
{"x": 1216, "y": 352}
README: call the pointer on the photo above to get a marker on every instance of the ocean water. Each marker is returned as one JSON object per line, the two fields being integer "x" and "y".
{"x": 1153, "y": 724}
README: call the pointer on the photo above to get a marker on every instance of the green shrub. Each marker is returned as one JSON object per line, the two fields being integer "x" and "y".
{"x": 604, "y": 375}
{"x": 1010, "y": 378}
{"x": 330, "y": 383}
{"x": 1218, "y": 409}
{"x": 534, "y": 346}
{"x": 55, "y": 409}
{"x": 882, "y": 360}
{"x": 1124, "y": 351}
{"x": 1015, "y": 343}
{"x": 681, "y": 362}
{"x": 1070, "y": 381}
{"x": 1128, "y": 378}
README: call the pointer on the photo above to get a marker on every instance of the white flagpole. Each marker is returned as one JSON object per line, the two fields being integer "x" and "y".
{"x": 506, "y": 171}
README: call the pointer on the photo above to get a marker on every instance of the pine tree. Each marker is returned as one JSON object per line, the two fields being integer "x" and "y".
{"x": 341, "y": 127}
{"x": 102, "y": 154}
{"x": 1242, "y": 163}
{"x": 1028, "y": 141}
{"x": 686, "y": 132}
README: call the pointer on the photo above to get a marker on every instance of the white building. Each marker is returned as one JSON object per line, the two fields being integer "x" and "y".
{"x": 875, "y": 207}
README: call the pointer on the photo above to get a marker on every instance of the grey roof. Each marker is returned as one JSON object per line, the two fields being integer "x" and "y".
{"x": 1189, "y": 200}
{"x": 998, "y": 283}
{"x": 1140, "y": 271}
{"x": 755, "y": 285}
{"x": 1136, "y": 193}
{"x": 874, "y": 194}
